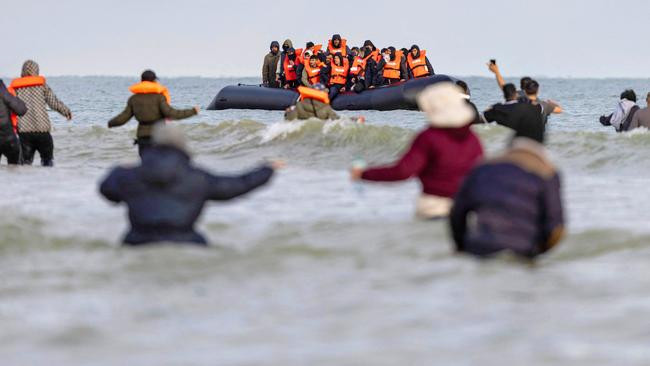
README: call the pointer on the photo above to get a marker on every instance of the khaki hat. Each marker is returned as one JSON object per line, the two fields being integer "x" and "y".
{"x": 445, "y": 104}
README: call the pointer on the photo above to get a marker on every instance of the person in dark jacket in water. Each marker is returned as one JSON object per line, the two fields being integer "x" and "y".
{"x": 9, "y": 143}
{"x": 440, "y": 156}
{"x": 165, "y": 194}
{"x": 150, "y": 106}
{"x": 511, "y": 203}
{"x": 314, "y": 103}
{"x": 522, "y": 117}
{"x": 270, "y": 66}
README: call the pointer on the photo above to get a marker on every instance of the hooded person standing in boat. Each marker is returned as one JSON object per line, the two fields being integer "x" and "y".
{"x": 270, "y": 66}
{"x": 440, "y": 156}
{"x": 35, "y": 126}
{"x": 150, "y": 106}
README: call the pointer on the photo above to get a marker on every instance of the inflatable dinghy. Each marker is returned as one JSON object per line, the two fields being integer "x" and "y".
{"x": 385, "y": 98}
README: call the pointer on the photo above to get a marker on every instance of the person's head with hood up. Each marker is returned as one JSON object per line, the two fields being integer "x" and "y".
{"x": 405, "y": 51}
{"x": 336, "y": 41}
{"x": 415, "y": 51}
{"x": 275, "y": 47}
{"x": 392, "y": 53}
{"x": 30, "y": 68}
{"x": 368, "y": 43}
{"x": 291, "y": 54}
{"x": 286, "y": 45}
{"x": 445, "y": 105}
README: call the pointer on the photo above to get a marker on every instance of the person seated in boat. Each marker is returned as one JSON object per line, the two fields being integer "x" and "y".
{"x": 166, "y": 193}
{"x": 512, "y": 203}
{"x": 624, "y": 112}
{"x": 418, "y": 63}
{"x": 311, "y": 74}
{"x": 313, "y": 103}
{"x": 290, "y": 70}
{"x": 362, "y": 70}
{"x": 440, "y": 156}
{"x": 337, "y": 45}
{"x": 336, "y": 75}
{"x": 392, "y": 68}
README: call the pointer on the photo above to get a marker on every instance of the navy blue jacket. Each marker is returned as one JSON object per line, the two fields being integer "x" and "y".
{"x": 166, "y": 194}
{"x": 512, "y": 203}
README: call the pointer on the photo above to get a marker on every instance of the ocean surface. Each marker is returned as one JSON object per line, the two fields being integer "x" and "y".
{"x": 313, "y": 269}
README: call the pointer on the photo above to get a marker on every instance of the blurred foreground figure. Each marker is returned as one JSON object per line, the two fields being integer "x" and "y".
{"x": 512, "y": 203}
{"x": 165, "y": 194}
{"x": 441, "y": 155}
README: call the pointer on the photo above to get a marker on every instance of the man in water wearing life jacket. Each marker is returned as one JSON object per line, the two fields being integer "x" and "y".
{"x": 337, "y": 45}
{"x": 512, "y": 203}
{"x": 418, "y": 63}
{"x": 440, "y": 156}
{"x": 149, "y": 104}
{"x": 166, "y": 193}
{"x": 337, "y": 75}
{"x": 392, "y": 68}
{"x": 625, "y": 110}
{"x": 34, "y": 127}
{"x": 270, "y": 66}
{"x": 10, "y": 108}
{"x": 314, "y": 103}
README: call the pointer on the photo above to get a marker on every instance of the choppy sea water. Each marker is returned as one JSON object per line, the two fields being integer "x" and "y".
{"x": 312, "y": 269}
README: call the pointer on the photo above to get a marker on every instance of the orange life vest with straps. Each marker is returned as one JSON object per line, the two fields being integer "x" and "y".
{"x": 375, "y": 55}
{"x": 358, "y": 67}
{"x": 299, "y": 56}
{"x": 313, "y": 73}
{"x": 342, "y": 47}
{"x": 339, "y": 74}
{"x": 392, "y": 69}
{"x": 150, "y": 87}
{"x": 418, "y": 66}
{"x": 309, "y": 93}
{"x": 290, "y": 67}
{"x": 23, "y": 82}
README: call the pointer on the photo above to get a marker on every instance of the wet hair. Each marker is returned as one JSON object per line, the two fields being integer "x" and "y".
{"x": 629, "y": 94}
{"x": 525, "y": 80}
{"x": 532, "y": 87}
{"x": 309, "y": 45}
{"x": 510, "y": 91}
{"x": 148, "y": 75}
{"x": 463, "y": 86}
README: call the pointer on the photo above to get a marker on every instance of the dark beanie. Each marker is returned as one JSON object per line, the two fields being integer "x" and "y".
{"x": 149, "y": 75}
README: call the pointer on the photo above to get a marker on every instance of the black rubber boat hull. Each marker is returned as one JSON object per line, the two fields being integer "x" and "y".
{"x": 399, "y": 96}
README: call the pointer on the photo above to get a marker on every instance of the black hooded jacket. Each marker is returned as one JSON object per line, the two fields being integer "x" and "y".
{"x": 9, "y": 104}
{"x": 166, "y": 194}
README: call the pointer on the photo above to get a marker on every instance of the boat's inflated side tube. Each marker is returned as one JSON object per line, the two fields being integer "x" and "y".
{"x": 387, "y": 98}
{"x": 253, "y": 97}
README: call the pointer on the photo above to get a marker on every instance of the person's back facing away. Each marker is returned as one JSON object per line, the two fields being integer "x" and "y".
{"x": 512, "y": 203}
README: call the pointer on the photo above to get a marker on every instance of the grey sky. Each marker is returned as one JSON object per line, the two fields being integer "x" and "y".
{"x": 578, "y": 38}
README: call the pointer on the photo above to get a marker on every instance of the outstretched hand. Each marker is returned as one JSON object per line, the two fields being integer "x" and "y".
{"x": 277, "y": 164}
{"x": 197, "y": 109}
{"x": 356, "y": 173}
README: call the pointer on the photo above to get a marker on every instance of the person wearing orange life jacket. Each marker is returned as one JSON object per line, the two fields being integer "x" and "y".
{"x": 10, "y": 108}
{"x": 337, "y": 75}
{"x": 34, "y": 128}
{"x": 362, "y": 70}
{"x": 290, "y": 69}
{"x": 392, "y": 68}
{"x": 313, "y": 103}
{"x": 303, "y": 59}
{"x": 150, "y": 105}
{"x": 312, "y": 73}
{"x": 337, "y": 45}
{"x": 418, "y": 63}
{"x": 286, "y": 45}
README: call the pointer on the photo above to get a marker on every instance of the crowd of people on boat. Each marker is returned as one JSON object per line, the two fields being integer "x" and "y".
{"x": 510, "y": 203}
{"x": 340, "y": 67}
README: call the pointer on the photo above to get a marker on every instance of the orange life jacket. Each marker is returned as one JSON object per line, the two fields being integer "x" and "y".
{"x": 342, "y": 47}
{"x": 23, "y": 82}
{"x": 290, "y": 67}
{"x": 375, "y": 54}
{"x": 299, "y": 58}
{"x": 309, "y": 93}
{"x": 150, "y": 87}
{"x": 392, "y": 69}
{"x": 418, "y": 66}
{"x": 358, "y": 66}
{"x": 313, "y": 73}
{"x": 339, "y": 74}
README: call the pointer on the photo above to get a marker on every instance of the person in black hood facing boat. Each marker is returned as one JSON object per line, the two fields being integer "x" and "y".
{"x": 165, "y": 194}
{"x": 271, "y": 65}
{"x": 418, "y": 63}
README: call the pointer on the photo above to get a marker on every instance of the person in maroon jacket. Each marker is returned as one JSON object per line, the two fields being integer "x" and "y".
{"x": 440, "y": 156}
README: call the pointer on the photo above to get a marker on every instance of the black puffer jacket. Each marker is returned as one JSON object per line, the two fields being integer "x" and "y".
{"x": 8, "y": 104}
{"x": 166, "y": 194}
